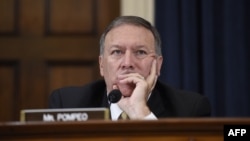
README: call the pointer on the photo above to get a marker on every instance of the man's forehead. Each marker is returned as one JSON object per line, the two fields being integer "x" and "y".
{"x": 141, "y": 36}
{"x": 122, "y": 27}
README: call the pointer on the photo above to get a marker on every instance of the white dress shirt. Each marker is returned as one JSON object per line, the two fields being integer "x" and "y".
{"x": 116, "y": 111}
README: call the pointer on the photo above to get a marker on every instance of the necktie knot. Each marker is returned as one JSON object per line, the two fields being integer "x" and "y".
{"x": 123, "y": 116}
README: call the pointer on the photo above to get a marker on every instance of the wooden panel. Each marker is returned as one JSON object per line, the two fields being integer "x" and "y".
{"x": 70, "y": 16}
{"x": 7, "y": 16}
{"x": 62, "y": 74}
{"x": 142, "y": 138}
{"x": 8, "y": 90}
{"x": 48, "y": 62}
{"x": 169, "y": 129}
{"x": 31, "y": 17}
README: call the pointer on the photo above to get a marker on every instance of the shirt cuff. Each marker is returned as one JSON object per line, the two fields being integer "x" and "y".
{"x": 151, "y": 116}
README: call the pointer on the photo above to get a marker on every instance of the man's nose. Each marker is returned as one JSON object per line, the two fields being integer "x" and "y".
{"x": 128, "y": 60}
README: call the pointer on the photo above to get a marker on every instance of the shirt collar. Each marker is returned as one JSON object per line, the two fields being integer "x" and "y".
{"x": 115, "y": 111}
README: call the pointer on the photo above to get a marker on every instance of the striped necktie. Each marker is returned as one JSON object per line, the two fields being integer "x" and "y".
{"x": 123, "y": 116}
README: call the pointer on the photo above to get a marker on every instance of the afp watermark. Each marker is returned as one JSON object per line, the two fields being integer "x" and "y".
{"x": 236, "y": 132}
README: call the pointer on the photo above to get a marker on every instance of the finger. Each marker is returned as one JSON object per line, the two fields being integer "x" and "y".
{"x": 151, "y": 79}
{"x": 115, "y": 87}
{"x": 123, "y": 76}
{"x": 132, "y": 80}
{"x": 152, "y": 74}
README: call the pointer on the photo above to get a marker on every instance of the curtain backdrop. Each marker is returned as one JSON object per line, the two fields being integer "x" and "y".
{"x": 206, "y": 48}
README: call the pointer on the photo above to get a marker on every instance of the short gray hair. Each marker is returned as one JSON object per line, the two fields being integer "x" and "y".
{"x": 134, "y": 20}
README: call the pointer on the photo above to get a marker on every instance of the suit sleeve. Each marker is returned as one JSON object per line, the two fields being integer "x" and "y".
{"x": 55, "y": 99}
{"x": 203, "y": 107}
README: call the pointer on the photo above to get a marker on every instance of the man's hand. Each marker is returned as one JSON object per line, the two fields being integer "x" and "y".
{"x": 136, "y": 105}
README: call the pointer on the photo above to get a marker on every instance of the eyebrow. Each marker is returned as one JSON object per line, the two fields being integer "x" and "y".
{"x": 115, "y": 46}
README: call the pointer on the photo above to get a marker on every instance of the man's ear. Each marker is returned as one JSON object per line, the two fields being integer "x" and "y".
{"x": 159, "y": 64}
{"x": 101, "y": 64}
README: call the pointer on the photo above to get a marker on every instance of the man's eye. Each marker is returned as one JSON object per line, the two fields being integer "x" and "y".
{"x": 141, "y": 52}
{"x": 116, "y": 52}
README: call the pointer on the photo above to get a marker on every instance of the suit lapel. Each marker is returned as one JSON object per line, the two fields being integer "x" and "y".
{"x": 155, "y": 104}
{"x": 105, "y": 102}
{"x": 159, "y": 102}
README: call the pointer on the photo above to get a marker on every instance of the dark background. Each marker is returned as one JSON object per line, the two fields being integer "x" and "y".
{"x": 206, "y": 45}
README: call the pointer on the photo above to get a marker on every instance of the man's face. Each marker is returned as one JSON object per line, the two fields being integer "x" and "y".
{"x": 127, "y": 49}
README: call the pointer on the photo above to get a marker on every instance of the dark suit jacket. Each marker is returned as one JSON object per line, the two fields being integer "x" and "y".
{"x": 163, "y": 102}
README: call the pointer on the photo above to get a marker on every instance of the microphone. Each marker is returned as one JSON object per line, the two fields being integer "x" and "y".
{"x": 114, "y": 96}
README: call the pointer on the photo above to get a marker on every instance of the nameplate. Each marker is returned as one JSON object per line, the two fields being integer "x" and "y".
{"x": 54, "y": 115}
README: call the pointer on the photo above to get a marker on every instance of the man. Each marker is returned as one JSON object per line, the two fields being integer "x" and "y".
{"x": 130, "y": 60}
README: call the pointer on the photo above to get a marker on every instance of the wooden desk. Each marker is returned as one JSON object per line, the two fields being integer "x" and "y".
{"x": 177, "y": 129}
